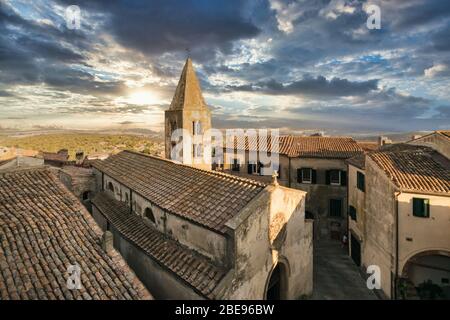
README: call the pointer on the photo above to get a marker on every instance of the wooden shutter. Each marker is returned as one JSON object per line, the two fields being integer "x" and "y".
{"x": 327, "y": 177}
{"x": 314, "y": 176}
{"x": 343, "y": 178}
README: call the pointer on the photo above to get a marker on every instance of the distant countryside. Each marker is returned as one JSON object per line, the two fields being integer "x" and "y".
{"x": 88, "y": 143}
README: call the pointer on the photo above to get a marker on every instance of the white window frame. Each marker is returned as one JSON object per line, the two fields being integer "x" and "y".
{"x": 310, "y": 175}
{"x": 335, "y": 183}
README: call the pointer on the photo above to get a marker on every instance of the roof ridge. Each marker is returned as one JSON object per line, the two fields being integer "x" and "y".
{"x": 211, "y": 172}
{"x": 25, "y": 169}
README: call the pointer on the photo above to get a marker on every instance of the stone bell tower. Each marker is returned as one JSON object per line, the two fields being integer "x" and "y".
{"x": 188, "y": 111}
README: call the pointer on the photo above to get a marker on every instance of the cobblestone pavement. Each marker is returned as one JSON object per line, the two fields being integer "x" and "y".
{"x": 336, "y": 276}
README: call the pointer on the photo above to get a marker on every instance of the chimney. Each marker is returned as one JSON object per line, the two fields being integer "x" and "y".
{"x": 79, "y": 156}
{"x": 382, "y": 140}
{"x": 107, "y": 242}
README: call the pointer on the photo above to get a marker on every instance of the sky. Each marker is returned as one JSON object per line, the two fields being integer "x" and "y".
{"x": 299, "y": 66}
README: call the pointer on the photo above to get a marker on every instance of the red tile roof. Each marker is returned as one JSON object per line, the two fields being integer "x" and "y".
{"x": 43, "y": 230}
{"x": 445, "y": 133}
{"x": 368, "y": 145}
{"x": 190, "y": 267}
{"x": 303, "y": 146}
{"x": 208, "y": 198}
{"x": 55, "y": 156}
{"x": 418, "y": 169}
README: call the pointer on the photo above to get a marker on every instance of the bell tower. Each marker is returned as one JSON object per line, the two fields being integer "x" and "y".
{"x": 188, "y": 111}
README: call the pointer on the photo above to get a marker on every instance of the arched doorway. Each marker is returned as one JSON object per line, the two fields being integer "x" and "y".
{"x": 427, "y": 275}
{"x": 276, "y": 287}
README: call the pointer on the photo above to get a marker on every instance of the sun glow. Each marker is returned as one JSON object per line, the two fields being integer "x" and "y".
{"x": 142, "y": 98}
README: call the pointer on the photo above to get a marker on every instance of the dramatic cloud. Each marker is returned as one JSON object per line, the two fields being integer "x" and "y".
{"x": 299, "y": 65}
{"x": 319, "y": 86}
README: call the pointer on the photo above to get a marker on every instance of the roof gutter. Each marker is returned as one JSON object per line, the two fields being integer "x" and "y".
{"x": 396, "y": 194}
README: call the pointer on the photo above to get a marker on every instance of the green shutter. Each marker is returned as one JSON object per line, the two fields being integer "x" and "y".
{"x": 421, "y": 207}
{"x": 327, "y": 177}
{"x": 314, "y": 176}
{"x": 299, "y": 175}
{"x": 343, "y": 178}
{"x": 426, "y": 208}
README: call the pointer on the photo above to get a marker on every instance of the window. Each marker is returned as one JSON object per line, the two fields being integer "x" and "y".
{"x": 110, "y": 187}
{"x": 127, "y": 200}
{"x": 148, "y": 213}
{"x": 421, "y": 207}
{"x": 352, "y": 212}
{"x": 360, "y": 181}
{"x": 197, "y": 150}
{"x": 335, "y": 208}
{"x": 196, "y": 128}
{"x": 86, "y": 195}
{"x": 335, "y": 177}
{"x": 235, "y": 166}
{"x": 306, "y": 175}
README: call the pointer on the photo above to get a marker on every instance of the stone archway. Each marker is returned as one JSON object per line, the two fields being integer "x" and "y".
{"x": 277, "y": 283}
{"x": 428, "y": 273}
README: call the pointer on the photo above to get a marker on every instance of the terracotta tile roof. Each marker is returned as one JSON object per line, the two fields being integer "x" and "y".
{"x": 192, "y": 268}
{"x": 44, "y": 230}
{"x": 55, "y": 156}
{"x": 304, "y": 146}
{"x": 368, "y": 145}
{"x": 421, "y": 169}
{"x": 444, "y": 133}
{"x": 208, "y": 198}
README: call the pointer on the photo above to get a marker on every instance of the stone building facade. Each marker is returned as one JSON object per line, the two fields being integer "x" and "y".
{"x": 195, "y": 234}
{"x": 400, "y": 219}
{"x": 312, "y": 164}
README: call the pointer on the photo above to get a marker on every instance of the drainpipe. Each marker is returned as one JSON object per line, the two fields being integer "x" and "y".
{"x": 396, "y": 194}
{"x": 289, "y": 170}
{"x": 348, "y": 218}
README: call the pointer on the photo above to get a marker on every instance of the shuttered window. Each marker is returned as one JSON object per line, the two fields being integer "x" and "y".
{"x": 360, "y": 181}
{"x": 335, "y": 208}
{"x": 421, "y": 207}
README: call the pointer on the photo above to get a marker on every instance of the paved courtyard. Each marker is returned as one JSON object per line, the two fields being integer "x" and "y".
{"x": 336, "y": 276}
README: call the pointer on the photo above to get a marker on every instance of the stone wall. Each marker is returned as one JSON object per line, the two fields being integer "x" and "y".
{"x": 356, "y": 198}
{"x": 318, "y": 195}
{"x": 421, "y": 235}
{"x": 269, "y": 231}
{"x": 379, "y": 245}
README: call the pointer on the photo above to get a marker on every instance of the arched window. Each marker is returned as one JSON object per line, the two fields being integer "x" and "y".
{"x": 110, "y": 187}
{"x": 148, "y": 213}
